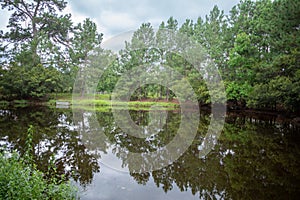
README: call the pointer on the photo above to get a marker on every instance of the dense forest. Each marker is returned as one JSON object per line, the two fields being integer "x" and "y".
{"x": 256, "y": 48}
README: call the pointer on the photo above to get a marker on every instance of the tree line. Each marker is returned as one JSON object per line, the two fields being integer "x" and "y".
{"x": 256, "y": 48}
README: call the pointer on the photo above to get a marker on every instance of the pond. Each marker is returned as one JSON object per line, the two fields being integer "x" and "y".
{"x": 255, "y": 157}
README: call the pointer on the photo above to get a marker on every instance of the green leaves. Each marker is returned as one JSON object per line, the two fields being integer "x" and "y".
{"x": 255, "y": 47}
{"x": 237, "y": 92}
{"x": 280, "y": 90}
{"x": 35, "y": 82}
{"x": 19, "y": 178}
{"x": 85, "y": 40}
{"x": 242, "y": 59}
{"x": 18, "y": 181}
{"x": 30, "y": 19}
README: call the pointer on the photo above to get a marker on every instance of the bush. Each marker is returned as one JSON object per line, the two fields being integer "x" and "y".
{"x": 19, "y": 178}
{"x": 19, "y": 181}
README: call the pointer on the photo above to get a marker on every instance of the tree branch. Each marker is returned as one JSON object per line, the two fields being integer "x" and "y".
{"x": 61, "y": 42}
{"x": 36, "y": 8}
{"x": 28, "y": 12}
{"x": 21, "y": 10}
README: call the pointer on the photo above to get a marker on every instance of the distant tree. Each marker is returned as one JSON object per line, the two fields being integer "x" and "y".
{"x": 85, "y": 41}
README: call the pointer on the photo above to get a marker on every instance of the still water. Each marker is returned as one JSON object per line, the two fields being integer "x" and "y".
{"x": 255, "y": 157}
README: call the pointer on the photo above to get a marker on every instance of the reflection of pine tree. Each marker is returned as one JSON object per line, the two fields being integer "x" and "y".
{"x": 52, "y": 136}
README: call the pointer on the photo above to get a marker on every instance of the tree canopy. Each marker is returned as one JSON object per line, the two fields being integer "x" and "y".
{"x": 256, "y": 47}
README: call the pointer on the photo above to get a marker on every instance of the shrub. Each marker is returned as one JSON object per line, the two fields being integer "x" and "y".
{"x": 19, "y": 178}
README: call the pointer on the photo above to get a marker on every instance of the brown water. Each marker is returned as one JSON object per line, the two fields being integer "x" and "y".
{"x": 256, "y": 156}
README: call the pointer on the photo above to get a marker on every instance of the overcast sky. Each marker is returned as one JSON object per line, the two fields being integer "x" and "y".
{"x": 116, "y": 16}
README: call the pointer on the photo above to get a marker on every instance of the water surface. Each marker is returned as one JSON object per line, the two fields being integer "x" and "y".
{"x": 256, "y": 156}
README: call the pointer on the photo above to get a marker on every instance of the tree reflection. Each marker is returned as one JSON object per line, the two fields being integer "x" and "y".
{"x": 54, "y": 134}
{"x": 252, "y": 159}
{"x": 255, "y": 157}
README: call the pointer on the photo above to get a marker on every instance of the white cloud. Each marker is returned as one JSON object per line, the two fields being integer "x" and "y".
{"x": 118, "y": 21}
{"x": 115, "y": 16}
{"x": 4, "y": 16}
{"x": 76, "y": 17}
{"x": 123, "y": 20}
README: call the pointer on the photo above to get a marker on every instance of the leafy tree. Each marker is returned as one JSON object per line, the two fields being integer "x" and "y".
{"x": 35, "y": 60}
{"x": 276, "y": 25}
{"x": 213, "y": 35}
{"x": 256, "y": 48}
{"x": 85, "y": 41}
{"x": 36, "y": 82}
{"x": 139, "y": 52}
{"x": 32, "y": 22}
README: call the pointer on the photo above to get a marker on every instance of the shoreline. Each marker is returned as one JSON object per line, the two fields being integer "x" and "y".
{"x": 143, "y": 104}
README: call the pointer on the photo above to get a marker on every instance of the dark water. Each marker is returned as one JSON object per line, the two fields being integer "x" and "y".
{"x": 256, "y": 156}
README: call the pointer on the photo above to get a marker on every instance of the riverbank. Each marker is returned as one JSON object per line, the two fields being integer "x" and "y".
{"x": 103, "y": 102}
{"x": 97, "y": 100}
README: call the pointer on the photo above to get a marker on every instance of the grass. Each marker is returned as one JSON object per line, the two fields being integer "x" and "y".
{"x": 98, "y": 100}
{"x": 20, "y": 101}
{"x": 103, "y": 100}
{"x": 68, "y": 96}
{"x": 109, "y": 108}
{"x": 4, "y": 103}
{"x": 16, "y": 103}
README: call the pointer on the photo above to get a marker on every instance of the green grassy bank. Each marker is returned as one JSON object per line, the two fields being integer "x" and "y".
{"x": 104, "y": 100}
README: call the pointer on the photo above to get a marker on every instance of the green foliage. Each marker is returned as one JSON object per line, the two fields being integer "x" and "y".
{"x": 85, "y": 40}
{"x": 255, "y": 47}
{"x": 19, "y": 178}
{"x": 46, "y": 53}
{"x": 280, "y": 90}
{"x": 29, "y": 149}
{"x": 18, "y": 181}
{"x": 237, "y": 92}
{"x": 242, "y": 59}
{"x": 33, "y": 82}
